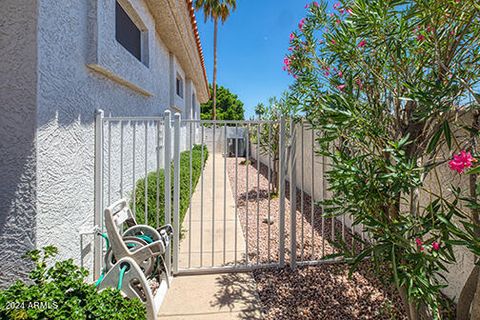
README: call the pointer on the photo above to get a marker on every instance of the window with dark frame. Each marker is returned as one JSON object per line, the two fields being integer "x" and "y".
{"x": 179, "y": 86}
{"x": 127, "y": 33}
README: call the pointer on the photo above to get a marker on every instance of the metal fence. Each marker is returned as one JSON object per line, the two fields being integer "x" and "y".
{"x": 234, "y": 221}
{"x": 218, "y": 237}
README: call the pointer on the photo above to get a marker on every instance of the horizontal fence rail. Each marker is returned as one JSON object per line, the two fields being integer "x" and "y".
{"x": 226, "y": 187}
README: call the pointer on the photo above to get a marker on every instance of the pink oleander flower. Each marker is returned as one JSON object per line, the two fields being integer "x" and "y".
{"x": 419, "y": 243}
{"x": 421, "y": 38}
{"x": 362, "y": 43}
{"x": 338, "y": 21}
{"x": 334, "y": 42}
{"x": 349, "y": 10}
{"x": 292, "y": 36}
{"x": 307, "y": 6}
{"x": 342, "y": 11}
{"x": 320, "y": 41}
{"x": 435, "y": 246}
{"x": 315, "y": 4}
{"x": 461, "y": 161}
{"x": 359, "y": 83}
{"x": 341, "y": 87}
{"x": 340, "y": 74}
{"x": 301, "y": 24}
{"x": 286, "y": 64}
{"x": 331, "y": 15}
{"x": 336, "y": 5}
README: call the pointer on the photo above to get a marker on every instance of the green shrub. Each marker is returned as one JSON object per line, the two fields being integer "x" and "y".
{"x": 184, "y": 188}
{"x": 60, "y": 292}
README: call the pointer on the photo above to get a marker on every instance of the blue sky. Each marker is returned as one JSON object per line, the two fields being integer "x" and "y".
{"x": 251, "y": 47}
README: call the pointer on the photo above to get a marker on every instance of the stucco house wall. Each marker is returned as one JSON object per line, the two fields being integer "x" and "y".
{"x": 70, "y": 66}
{"x": 18, "y": 165}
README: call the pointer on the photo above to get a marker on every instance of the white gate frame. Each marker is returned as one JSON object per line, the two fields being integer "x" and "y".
{"x": 172, "y": 134}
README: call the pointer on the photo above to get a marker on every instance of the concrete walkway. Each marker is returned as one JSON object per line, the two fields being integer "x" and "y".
{"x": 218, "y": 296}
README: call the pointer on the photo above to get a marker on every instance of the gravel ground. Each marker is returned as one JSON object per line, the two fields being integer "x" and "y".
{"x": 315, "y": 292}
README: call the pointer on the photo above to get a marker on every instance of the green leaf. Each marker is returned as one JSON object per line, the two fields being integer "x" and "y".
{"x": 448, "y": 134}
{"x": 434, "y": 141}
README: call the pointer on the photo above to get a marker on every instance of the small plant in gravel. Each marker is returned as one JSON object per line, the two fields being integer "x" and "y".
{"x": 245, "y": 163}
{"x": 60, "y": 292}
{"x": 268, "y": 136}
{"x": 393, "y": 88}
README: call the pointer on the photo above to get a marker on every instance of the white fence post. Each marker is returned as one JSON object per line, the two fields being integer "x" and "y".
{"x": 98, "y": 197}
{"x": 281, "y": 242}
{"x": 176, "y": 191}
{"x": 168, "y": 188}
{"x": 293, "y": 196}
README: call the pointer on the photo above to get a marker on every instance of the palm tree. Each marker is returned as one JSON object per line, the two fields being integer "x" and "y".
{"x": 215, "y": 10}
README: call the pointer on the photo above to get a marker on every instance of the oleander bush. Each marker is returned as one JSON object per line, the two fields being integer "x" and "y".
{"x": 393, "y": 87}
{"x": 59, "y": 291}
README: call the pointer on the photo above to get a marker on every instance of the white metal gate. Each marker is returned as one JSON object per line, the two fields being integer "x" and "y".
{"x": 232, "y": 221}
{"x": 222, "y": 229}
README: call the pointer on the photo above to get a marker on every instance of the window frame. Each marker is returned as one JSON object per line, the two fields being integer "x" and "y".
{"x": 135, "y": 20}
{"x": 179, "y": 86}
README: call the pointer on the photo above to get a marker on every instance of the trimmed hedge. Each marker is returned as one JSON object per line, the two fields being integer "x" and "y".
{"x": 184, "y": 188}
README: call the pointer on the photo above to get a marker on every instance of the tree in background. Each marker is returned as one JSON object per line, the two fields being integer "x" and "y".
{"x": 229, "y": 106}
{"x": 260, "y": 110}
{"x": 269, "y": 138}
{"x": 215, "y": 10}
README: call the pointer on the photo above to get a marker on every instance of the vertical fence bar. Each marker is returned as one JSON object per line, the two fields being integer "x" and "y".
{"x": 258, "y": 193}
{"x": 176, "y": 190}
{"x": 302, "y": 192}
{"x": 121, "y": 159}
{"x": 190, "y": 187}
{"x": 312, "y": 213}
{"x": 134, "y": 182}
{"x": 269, "y": 191}
{"x": 201, "y": 192}
{"x": 157, "y": 174}
{"x": 293, "y": 197}
{"x": 213, "y": 196}
{"x": 247, "y": 164}
{"x": 168, "y": 183}
{"x": 224, "y": 192}
{"x": 109, "y": 162}
{"x": 146, "y": 172}
{"x": 98, "y": 248}
{"x": 334, "y": 219}
{"x": 236, "y": 191}
{"x": 281, "y": 224}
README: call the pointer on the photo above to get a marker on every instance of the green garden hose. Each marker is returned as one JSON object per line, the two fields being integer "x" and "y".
{"x": 120, "y": 277}
{"x": 124, "y": 268}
